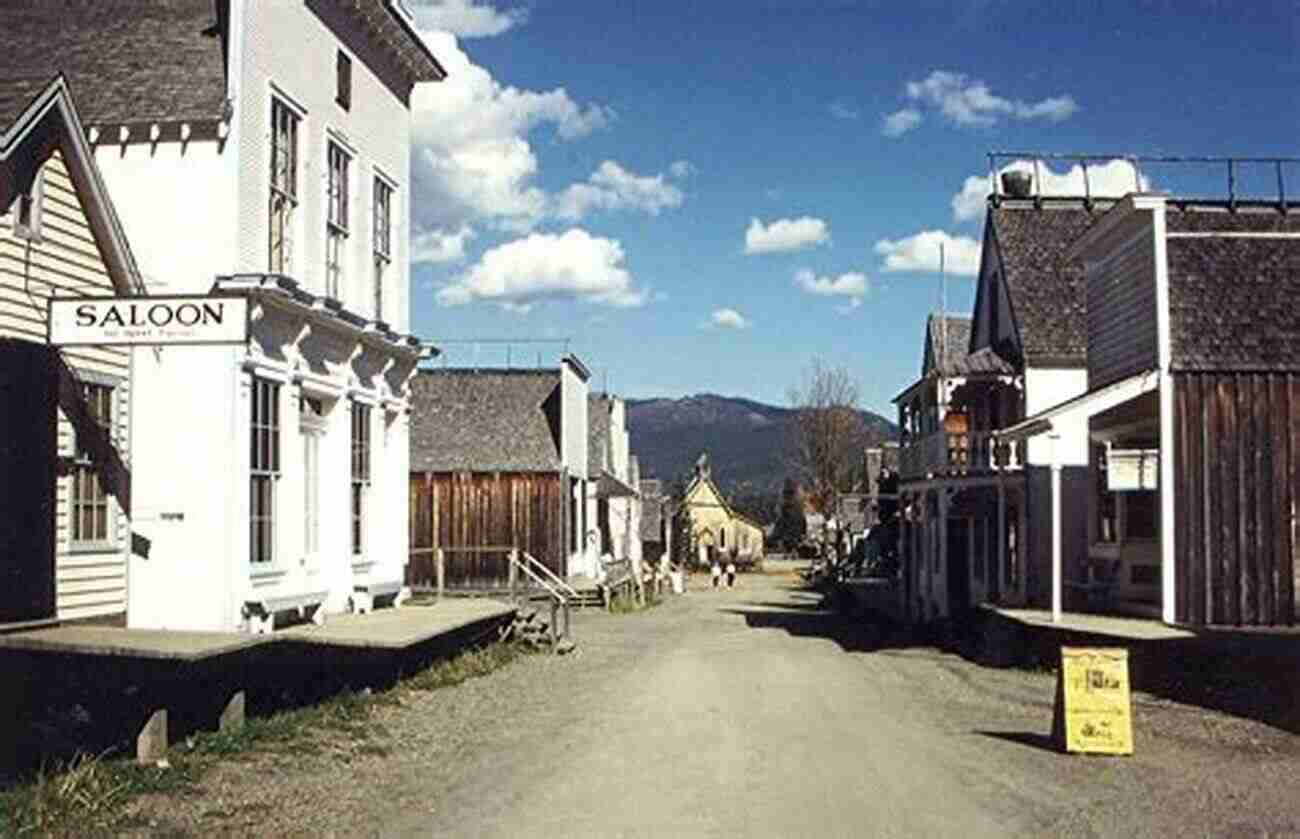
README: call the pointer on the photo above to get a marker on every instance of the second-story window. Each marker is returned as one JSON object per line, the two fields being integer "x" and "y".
{"x": 383, "y": 234}
{"x": 336, "y": 225}
{"x": 284, "y": 186}
{"x": 343, "y": 73}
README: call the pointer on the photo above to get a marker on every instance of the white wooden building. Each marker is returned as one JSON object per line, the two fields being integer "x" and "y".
{"x": 261, "y": 149}
{"x": 65, "y": 443}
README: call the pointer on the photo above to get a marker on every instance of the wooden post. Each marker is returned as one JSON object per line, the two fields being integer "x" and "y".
{"x": 1000, "y": 577}
{"x": 151, "y": 742}
{"x": 514, "y": 573}
{"x": 440, "y": 569}
{"x": 232, "y": 716}
{"x": 1056, "y": 529}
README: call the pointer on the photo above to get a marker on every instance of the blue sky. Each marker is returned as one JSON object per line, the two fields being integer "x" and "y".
{"x": 594, "y": 170}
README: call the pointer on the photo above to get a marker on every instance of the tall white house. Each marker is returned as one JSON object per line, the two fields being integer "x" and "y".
{"x": 259, "y": 148}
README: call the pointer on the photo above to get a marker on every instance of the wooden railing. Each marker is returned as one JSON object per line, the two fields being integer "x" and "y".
{"x": 958, "y": 453}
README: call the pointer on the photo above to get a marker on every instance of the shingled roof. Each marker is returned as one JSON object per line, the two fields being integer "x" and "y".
{"x": 1047, "y": 294}
{"x": 954, "y": 358}
{"x": 1233, "y": 301}
{"x": 125, "y": 60}
{"x": 598, "y": 442}
{"x": 485, "y": 421}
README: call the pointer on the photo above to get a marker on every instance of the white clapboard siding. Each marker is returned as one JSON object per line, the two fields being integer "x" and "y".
{"x": 66, "y": 263}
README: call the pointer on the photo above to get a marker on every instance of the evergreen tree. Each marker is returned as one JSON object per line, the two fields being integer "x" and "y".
{"x": 790, "y": 524}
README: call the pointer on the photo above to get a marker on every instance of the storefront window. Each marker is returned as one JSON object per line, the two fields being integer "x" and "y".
{"x": 264, "y": 468}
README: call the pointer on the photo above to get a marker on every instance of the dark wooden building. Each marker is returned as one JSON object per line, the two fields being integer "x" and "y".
{"x": 1193, "y": 407}
{"x": 497, "y": 461}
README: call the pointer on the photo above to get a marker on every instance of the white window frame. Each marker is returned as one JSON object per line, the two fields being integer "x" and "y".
{"x": 292, "y": 196}
{"x": 270, "y": 471}
{"x": 381, "y": 236}
{"x": 28, "y": 211}
{"x": 338, "y": 210}
{"x": 83, "y": 465}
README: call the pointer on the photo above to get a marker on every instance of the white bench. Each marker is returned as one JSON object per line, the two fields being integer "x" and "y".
{"x": 364, "y": 595}
{"x": 259, "y": 612}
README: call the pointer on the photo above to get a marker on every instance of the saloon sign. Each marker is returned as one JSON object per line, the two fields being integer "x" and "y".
{"x": 148, "y": 320}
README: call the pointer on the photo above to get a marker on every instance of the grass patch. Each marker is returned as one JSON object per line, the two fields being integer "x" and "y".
{"x": 629, "y": 605}
{"x": 88, "y": 795}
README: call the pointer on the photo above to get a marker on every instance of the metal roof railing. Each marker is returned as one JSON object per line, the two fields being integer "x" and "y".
{"x": 1230, "y": 164}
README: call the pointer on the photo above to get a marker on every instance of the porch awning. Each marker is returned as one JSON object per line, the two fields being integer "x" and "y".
{"x": 1086, "y": 405}
{"x": 607, "y": 486}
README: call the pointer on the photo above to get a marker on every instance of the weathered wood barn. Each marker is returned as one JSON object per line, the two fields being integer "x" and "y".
{"x": 64, "y": 414}
{"x": 1193, "y": 408}
{"x": 499, "y": 461}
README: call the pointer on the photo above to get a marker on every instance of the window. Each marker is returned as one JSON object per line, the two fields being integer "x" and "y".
{"x": 383, "y": 236}
{"x": 284, "y": 186}
{"x": 90, "y": 517}
{"x": 343, "y": 81}
{"x": 28, "y": 210}
{"x": 264, "y": 469}
{"x": 311, "y": 422}
{"x": 360, "y": 473}
{"x": 336, "y": 225}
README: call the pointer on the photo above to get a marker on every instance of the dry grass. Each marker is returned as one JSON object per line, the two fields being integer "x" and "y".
{"x": 88, "y": 795}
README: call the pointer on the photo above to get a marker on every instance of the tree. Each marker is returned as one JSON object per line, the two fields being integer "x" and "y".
{"x": 828, "y": 433}
{"x": 790, "y": 524}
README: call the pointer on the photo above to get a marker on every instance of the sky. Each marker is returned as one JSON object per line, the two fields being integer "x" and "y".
{"x": 704, "y": 196}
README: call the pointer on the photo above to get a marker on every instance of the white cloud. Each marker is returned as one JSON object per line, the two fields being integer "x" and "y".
{"x": 966, "y": 101}
{"x": 472, "y": 160}
{"x": 785, "y": 235}
{"x": 466, "y": 18}
{"x": 727, "y": 319}
{"x": 440, "y": 245}
{"x": 1112, "y": 179}
{"x": 841, "y": 111}
{"x": 900, "y": 122}
{"x": 573, "y": 265}
{"x": 851, "y": 284}
{"x": 611, "y": 187}
{"x": 681, "y": 169}
{"x": 920, "y": 253}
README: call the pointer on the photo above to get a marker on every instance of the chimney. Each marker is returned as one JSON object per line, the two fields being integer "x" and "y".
{"x": 1016, "y": 184}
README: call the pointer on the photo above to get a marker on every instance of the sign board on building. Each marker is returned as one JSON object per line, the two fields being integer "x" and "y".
{"x": 1128, "y": 470}
{"x": 1093, "y": 713}
{"x": 99, "y": 321}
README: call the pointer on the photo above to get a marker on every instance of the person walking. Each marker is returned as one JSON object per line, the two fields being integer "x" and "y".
{"x": 731, "y": 575}
{"x": 716, "y": 572}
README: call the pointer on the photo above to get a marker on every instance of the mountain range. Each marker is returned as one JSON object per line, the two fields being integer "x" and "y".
{"x": 747, "y": 441}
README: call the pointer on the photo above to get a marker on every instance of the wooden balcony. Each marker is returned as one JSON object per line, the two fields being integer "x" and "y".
{"x": 955, "y": 454}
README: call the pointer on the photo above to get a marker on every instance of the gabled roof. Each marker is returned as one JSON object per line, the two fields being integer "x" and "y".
{"x": 127, "y": 61}
{"x": 706, "y": 481}
{"x": 599, "y": 454}
{"x": 1047, "y": 292}
{"x": 37, "y": 119}
{"x": 485, "y": 420}
{"x": 1233, "y": 298}
{"x": 954, "y": 357}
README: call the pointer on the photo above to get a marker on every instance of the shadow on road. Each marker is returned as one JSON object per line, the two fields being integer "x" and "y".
{"x": 1024, "y": 738}
{"x": 813, "y": 619}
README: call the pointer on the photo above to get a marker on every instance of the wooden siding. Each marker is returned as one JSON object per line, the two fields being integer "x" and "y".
{"x": 1122, "y": 312}
{"x": 482, "y": 509}
{"x": 1237, "y": 467}
{"x": 66, "y": 262}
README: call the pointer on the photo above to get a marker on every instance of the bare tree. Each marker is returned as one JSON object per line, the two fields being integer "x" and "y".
{"x": 828, "y": 434}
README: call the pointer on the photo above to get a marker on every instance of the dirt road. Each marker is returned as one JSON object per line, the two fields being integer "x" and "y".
{"x": 754, "y": 712}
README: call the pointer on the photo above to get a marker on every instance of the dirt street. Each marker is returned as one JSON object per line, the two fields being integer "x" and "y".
{"x": 754, "y": 712}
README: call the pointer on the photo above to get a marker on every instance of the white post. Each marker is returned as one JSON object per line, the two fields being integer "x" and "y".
{"x": 1056, "y": 529}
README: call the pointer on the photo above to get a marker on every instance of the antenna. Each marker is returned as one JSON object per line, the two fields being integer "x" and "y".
{"x": 943, "y": 308}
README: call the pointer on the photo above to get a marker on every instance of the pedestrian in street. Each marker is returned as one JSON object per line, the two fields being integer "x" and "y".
{"x": 731, "y": 575}
{"x": 716, "y": 572}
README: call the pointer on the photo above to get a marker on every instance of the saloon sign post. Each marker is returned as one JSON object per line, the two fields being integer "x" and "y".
{"x": 146, "y": 321}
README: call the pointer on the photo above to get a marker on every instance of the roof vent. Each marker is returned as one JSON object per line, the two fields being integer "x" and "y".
{"x": 1016, "y": 184}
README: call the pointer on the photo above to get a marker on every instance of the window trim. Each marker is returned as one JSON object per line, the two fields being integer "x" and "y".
{"x": 290, "y": 195}
{"x": 82, "y": 464}
{"x": 31, "y": 202}
{"x": 382, "y": 256}
{"x": 271, "y": 472}
{"x": 361, "y": 449}
{"x": 337, "y": 214}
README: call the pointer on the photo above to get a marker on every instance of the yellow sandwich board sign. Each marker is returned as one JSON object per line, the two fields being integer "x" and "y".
{"x": 1093, "y": 712}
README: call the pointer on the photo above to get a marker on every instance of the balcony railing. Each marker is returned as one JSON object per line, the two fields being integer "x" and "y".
{"x": 958, "y": 453}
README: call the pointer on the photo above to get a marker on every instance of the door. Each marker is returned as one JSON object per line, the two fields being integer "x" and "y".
{"x": 28, "y": 468}
{"x": 958, "y": 566}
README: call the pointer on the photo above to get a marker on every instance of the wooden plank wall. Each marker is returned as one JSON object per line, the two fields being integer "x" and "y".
{"x": 480, "y": 509}
{"x": 1237, "y": 463}
{"x": 67, "y": 263}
